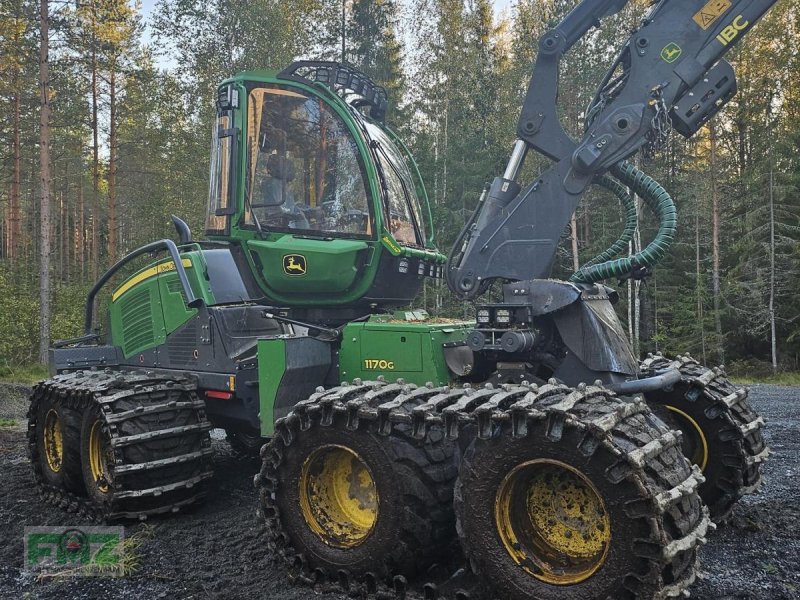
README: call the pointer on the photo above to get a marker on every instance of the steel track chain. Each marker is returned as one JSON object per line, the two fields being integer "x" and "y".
{"x": 80, "y": 391}
{"x": 730, "y": 404}
{"x": 478, "y": 411}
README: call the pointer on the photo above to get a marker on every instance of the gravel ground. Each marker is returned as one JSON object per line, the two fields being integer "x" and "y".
{"x": 216, "y": 551}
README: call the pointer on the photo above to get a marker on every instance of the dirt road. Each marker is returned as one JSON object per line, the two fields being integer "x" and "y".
{"x": 217, "y": 551}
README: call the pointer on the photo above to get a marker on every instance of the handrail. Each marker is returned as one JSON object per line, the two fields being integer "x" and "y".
{"x": 191, "y": 300}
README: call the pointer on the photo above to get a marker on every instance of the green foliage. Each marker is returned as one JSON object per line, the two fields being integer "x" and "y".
{"x": 28, "y": 374}
{"x": 456, "y": 75}
{"x": 778, "y": 379}
{"x": 375, "y": 49}
{"x": 19, "y": 322}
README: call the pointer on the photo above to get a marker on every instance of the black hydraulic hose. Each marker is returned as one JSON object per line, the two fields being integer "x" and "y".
{"x": 658, "y": 200}
{"x": 624, "y": 196}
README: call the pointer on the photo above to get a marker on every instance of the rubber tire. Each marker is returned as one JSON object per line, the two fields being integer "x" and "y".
{"x": 146, "y": 451}
{"x": 244, "y": 444}
{"x": 727, "y": 472}
{"x": 415, "y": 518}
{"x": 483, "y": 469}
{"x": 69, "y": 476}
{"x": 90, "y": 416}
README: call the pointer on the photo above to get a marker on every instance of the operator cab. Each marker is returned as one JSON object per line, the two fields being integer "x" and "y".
{"x": 325, "y": 203}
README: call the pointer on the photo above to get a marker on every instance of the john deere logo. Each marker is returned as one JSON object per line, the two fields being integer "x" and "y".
{"x": 671, "y": 52}
{"x": 294, "y": 264}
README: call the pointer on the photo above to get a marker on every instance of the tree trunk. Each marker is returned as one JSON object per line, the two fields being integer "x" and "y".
{"x": 772, "y": 328}
{"x": 60, "y": 237}
{"x": 112, "y": 172}
{"x": 698, "y": 286}
{"x": 715, "y": 252}
{"x": 629, "y": 285}
{"x": 44, "y": 161}
{"x": 95, "y": 158}
{"x": 81, "y": 241}
{"x": 15, "y": 220}
{"x": 15, "y": 224}
{"x": 576, "y": 262}
{"x": 637, "y": 289}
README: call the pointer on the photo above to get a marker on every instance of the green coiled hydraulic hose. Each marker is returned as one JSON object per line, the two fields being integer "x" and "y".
{"x": 658, "y": 200}
{"x": 625, "y": 197}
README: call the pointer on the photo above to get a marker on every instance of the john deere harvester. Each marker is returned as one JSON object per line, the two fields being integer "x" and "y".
{"x": 564, "y": 466}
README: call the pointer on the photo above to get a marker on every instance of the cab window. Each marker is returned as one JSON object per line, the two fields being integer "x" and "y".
{"x": 304, "y": 171}
{"x": 404, "y": 216}
{"x": 220, "y": 202}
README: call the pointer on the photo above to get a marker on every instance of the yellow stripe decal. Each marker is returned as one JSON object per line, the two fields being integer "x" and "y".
{"x": 147, "y": 274}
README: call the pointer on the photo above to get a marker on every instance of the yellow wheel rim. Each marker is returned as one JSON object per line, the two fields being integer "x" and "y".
{"x": 100, "y": 456}
{"x": 553, "y": 522}
{"x": 338, "y": 496}
{"x": 694, "y": 436}
{"x": 53, "y": 441}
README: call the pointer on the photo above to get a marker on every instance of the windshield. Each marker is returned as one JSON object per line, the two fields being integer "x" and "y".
{"x": 304, "y": 169}
{"x": 405, "y": 215}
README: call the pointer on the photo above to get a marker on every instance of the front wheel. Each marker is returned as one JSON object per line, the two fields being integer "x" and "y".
{"x": 343, "y": 498}
{"x": 579, "y": 495}
{"x": 722, "y": 434}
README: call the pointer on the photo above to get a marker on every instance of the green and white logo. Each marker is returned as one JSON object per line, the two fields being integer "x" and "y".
{"x": 671, "y": 52}
{"x": 79, "y": 551}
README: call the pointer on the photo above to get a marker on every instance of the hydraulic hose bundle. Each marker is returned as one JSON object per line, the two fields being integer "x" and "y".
{"x": 660, "y": 203}
{"x": 631, "y": 220}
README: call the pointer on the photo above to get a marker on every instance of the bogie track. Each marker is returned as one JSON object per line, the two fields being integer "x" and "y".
{"x": 723, "y": 435}
{"x": 141, "y": 445}
{"x": 622, "y": 449}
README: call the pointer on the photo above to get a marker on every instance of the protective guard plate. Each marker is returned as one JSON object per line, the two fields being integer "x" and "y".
{"x": 591, "y": 330}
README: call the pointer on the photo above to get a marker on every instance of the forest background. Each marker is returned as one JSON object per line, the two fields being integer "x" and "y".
{"x": 129, "y": 104}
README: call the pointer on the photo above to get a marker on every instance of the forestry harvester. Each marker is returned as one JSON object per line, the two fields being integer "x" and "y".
{"x": 564, "y": 466}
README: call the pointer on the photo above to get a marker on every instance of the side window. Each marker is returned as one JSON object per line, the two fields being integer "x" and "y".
{"x": 304, "y": 169}
{"x": 403, "y": 212}
{"x": 220, "y": 201}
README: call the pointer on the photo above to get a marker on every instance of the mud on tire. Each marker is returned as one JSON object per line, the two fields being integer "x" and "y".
{"x": 142, "y": 441}
{"x": 409, "y": 483}
{"x": 245, "y": 445}
{"x": 723, "y": 435}
{"x": 54, "y": 439}
{"x": 625, "y": 456}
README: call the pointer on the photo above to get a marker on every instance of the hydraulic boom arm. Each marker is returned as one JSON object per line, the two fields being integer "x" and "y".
{"x": 669, "y": 74}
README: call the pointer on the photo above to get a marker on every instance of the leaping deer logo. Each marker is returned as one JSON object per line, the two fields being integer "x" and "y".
{"x": 671, "y": 52}
{"x": 294, "y": 264}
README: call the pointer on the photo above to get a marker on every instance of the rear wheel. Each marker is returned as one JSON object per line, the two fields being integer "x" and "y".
{"x": 135, "y": 443}
{"x": 56, "y": 444}
{"x": 580, "y": 495}
{"x": 98, "y": 456}
{"x": 244, "y": 443}
{"x": 147, "y": 451}
{"x": 722, "y": 434}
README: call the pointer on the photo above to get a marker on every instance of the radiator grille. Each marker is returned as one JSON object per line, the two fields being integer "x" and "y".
{"x": 137, "y": 320}
{"x": 174, "y": 286}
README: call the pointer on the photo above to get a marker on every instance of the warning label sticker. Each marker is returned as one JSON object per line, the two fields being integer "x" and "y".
{"x": 712, "y": 11}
